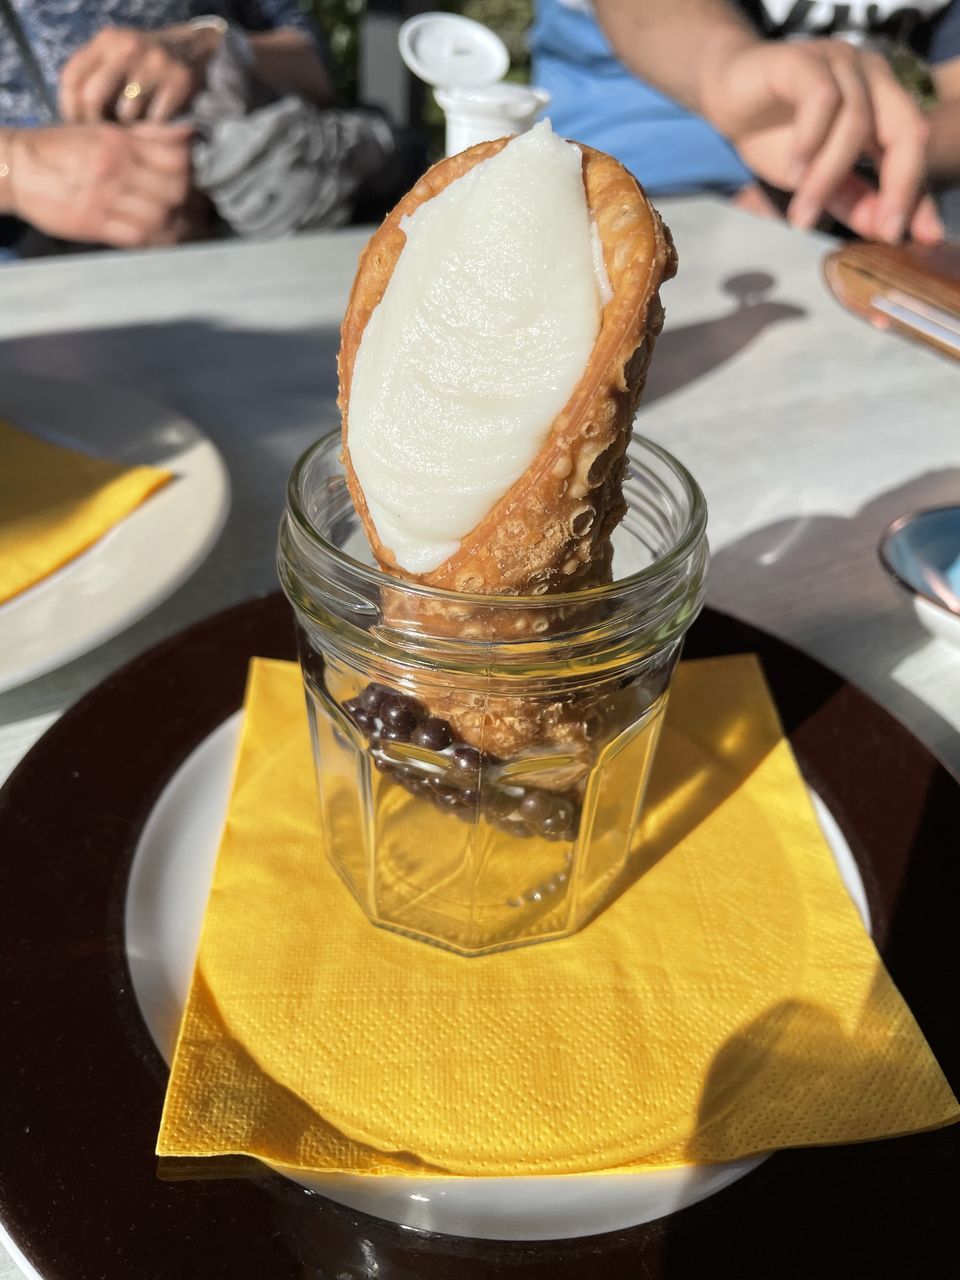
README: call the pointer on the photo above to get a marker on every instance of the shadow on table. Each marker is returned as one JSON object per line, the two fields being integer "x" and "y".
{"x": 261, "y": 396}
{"x": 194, "y": 365}
{"x": 43, "y": 405}
{"x": 687, "y": 352}
{"x": 182, "y": 361}
{"x": 843, "y": 608}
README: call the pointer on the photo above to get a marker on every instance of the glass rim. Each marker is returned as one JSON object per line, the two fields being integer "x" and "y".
{"x": 693, "y": 533}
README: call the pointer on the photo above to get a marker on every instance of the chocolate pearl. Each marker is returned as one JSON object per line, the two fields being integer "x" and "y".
{"x": 364, "y": 720}
{"x": 372, "y": 697}
{"x": 470, "y": 797}
{"x": 465, "y": 765}
{"x": 395, "y": 702}
{"x": 433, "y": 734}
{"x": 352, "y": 706}
{"x": 393, "y": 733}
{"x": 382, "y": 764}
{"x": 440, "y": 787}
{"x": 499, "y": 803}
{"x": 564, "y": 811}
{"x": 558, "y": 824}
{"x": 399, "y": 712}
{"x": 536, "y": 806}
{"x": 511, "y": 828}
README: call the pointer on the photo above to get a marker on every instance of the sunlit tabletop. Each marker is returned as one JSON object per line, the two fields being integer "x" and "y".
{"x": 808, "y": 431}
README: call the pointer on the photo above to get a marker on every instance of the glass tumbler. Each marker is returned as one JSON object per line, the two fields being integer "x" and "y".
{"x": 481, "y": 761}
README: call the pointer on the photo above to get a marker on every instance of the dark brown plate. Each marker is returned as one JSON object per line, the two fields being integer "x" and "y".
{"x": 82, "y": 1084}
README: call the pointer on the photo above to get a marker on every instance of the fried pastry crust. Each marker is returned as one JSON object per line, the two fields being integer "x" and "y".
{"x": 550, "y": 533}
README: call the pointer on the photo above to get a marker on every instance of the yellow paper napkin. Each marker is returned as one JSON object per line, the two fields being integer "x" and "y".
{"x": 728, "y": 1002}
{"x": 55, "y": 502}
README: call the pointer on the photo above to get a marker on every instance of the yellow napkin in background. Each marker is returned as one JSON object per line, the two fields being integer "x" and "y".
{"x": 54, "y": 503}
{"x": 728, "y": 1002}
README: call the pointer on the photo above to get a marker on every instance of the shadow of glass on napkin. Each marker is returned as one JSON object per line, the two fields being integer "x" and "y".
{"x": 706, "y": 752}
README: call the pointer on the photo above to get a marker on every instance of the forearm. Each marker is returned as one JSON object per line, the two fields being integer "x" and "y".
{"x": 943, "y": 147}
{"x": 674, "y": 44}
{"x": 285, "y": 59}
{"x": 289, "y": 62}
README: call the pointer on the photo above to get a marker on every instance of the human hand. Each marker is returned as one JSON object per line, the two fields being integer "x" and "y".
{"x": 101, "y": 183}
{"x": 130, "y": 75}
{"x": 801, "y": 114}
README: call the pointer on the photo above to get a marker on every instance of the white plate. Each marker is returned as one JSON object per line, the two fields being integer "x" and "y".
{"x": 140, "y": 561}
{"x": 166, "y": 898}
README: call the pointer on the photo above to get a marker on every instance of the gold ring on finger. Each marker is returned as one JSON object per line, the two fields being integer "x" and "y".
{"x": 132, "y": 90}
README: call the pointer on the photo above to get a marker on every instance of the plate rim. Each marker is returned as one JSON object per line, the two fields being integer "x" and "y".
{"x": 24, "y": 672}
{"x": 548, "y": 1206}
{"x": 238, "y": 1220}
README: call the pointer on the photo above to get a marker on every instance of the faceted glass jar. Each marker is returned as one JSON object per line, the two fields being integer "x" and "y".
{"x": 482, "y": 760}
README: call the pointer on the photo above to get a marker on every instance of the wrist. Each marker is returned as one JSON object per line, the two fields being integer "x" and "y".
{"x": 195, "y": 41}
{"x": 714, "y": 70}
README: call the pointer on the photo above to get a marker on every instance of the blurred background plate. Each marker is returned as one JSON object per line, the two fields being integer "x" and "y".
{"x": 141, "y": 560}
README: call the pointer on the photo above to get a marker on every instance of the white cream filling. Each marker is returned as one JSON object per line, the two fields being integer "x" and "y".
{"x": 481, "y": 336}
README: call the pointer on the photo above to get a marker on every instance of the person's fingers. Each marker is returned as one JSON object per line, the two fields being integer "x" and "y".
{"x": 172, "y": 135}
{"x": 855, "y": 203}
{"x": 71, "y": 78}
{"x": 851, "y": 135}
{"x": 902, "y": 133}
{"x": 149, "y": 77}
{"x": 926, "y": 224}
{"x": 809, "y": 84}
{"x": 168, "y": 155}
{"x": 142, "y": 210}
{"x": 173, "y": 93}
{"x": 165, "y": 165}
{"x": 135, "y": 95}
{"x": 124, "y": 232}
{"x": 162, "y": 168}
{"x": 175, "y": 230}
{"x": 858, "y": 205}
{"x": 170, "y": 187}
{"x": 98, "y": 91}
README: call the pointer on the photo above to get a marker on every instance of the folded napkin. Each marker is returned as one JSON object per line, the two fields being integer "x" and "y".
{"x": 728, "y": 1002}
{"x": 54, "y": 503}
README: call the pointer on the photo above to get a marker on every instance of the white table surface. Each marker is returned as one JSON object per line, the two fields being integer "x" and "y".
{"x": 808, "y": 431}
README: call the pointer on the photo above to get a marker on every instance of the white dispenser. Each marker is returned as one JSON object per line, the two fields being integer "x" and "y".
{"x": 465, "y": 62}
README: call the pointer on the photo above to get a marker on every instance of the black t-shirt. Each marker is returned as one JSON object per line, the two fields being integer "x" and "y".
{"x": 931, "y": 27}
